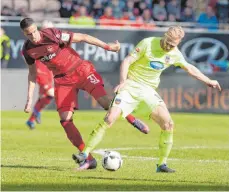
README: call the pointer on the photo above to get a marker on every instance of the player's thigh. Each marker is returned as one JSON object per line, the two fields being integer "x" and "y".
{"x": 125, "y": 102}
{"x": 162, "y": 117}
{"x": 95, "y": 87}
{"x": 65, "y": 98}
{"x": 104, "y": 101}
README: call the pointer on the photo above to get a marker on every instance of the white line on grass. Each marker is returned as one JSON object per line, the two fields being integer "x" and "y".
{"x": 140, "y": 158}
{"x": 102, "y": 151}
{"x": 175, "y": 148}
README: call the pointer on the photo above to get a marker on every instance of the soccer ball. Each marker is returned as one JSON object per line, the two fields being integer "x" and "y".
{"x": 111, "y": 160}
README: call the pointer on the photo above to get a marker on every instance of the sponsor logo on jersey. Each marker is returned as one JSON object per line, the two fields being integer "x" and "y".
{"x": 117, "y": 101}
{"x": 48, "y": 57}
{"x": 65, "y": 37}
{"x": 167, "y": 59}
{"x": 156, "y": 65}
{"x": 50, "y": 49}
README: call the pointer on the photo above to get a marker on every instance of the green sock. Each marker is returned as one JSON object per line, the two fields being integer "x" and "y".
{"x": 95, "y": 137}
{"x": 165, "y": 145}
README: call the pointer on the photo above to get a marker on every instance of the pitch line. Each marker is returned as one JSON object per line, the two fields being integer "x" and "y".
{"x": 150, "y": 148}
{"x": 102, "y": 151}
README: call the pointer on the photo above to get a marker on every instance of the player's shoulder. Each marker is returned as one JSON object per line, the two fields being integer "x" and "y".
{"x": 51, "y": 31}
{"x": 149, "y": 40}
{"x": 177, "y": 51}
{"x": 27, "y": 45}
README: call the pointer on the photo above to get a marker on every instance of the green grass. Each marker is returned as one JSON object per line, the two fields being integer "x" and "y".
{"x": 41, "y": 159}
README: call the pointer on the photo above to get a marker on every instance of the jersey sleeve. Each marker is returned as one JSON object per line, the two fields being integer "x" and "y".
{"x": 63, "y": 37}
{"x": 180, "y": 61}
{"x": 29, "y": 60}
{"x": 139, "y": 50}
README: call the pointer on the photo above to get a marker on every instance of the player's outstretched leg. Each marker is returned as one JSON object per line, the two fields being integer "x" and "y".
{"x": 137, "y": 123}
{"x": 162, "y": 117}
{"x": 105, "y": 102}
{"x": 75, "y": 137}
{"x": 97, "y": 134}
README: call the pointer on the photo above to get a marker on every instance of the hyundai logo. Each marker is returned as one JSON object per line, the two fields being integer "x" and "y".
{"x": 204, "y": 49}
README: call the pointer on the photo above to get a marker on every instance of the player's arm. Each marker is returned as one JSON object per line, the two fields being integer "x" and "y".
{"x": 124, "y": 71}
{"x": 196, "y": 73}
{"x": 136, "y": 54}
{"x": 31, "y": 79}
{"x": 31, "y": 87}
{"x": 80, "y": 37}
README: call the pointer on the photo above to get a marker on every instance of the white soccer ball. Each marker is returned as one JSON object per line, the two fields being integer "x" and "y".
{"x": 111, "y": 160}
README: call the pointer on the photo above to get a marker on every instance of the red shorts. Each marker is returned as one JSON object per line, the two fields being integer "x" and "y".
{"x": 66, "y": 96}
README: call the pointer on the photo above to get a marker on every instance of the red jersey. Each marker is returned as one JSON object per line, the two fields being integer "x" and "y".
{"x": 53, "y": 50}
{"x": 44, "y": 75}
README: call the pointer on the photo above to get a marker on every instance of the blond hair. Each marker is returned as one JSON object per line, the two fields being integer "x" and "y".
{"x": 174, "y": 33}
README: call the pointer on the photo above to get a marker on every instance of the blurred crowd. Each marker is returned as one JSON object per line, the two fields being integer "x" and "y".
{"x": 136, "y": 13}
{"x": 207, "y": 13}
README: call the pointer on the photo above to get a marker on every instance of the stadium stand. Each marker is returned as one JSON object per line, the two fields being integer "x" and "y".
{"x": 134, "y": 13}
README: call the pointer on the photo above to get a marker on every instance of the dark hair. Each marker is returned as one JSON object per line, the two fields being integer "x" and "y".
{"x": 26, "y": 22}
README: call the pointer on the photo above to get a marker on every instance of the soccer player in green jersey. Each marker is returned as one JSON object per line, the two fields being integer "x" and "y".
{"x": 139, "y": 77}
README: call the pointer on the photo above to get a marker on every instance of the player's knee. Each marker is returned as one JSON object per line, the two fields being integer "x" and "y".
{"x": 168, "y": 125}
{"x": 65, "y": 116}
{"x": 106, "y": 107}
{"x": 50, "y": 92}
{"x": 104, "y": 102}
{"x": 109, "y": 119}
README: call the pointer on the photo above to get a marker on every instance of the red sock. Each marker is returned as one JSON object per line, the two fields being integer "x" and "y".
{"x": 74, "y": 135}
{"x": 130, "y": 118}
{"x": 42, "y": 102}
{"x": 32, "y": 118}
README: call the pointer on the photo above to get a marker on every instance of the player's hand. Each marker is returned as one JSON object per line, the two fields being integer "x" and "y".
{"x": 28, "y": 107}
{"x": 115, "y": 47}
{"x": 214, "y": 84}
{"x": 118, "y": 87}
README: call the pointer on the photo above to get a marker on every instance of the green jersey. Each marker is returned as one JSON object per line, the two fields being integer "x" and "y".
{"x": 151, "y": 60}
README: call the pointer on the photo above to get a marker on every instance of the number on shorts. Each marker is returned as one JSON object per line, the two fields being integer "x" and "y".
{"x": 93, "y": 79}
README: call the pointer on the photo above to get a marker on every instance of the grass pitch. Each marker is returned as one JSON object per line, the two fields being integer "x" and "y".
{"x": 41, "y": 159}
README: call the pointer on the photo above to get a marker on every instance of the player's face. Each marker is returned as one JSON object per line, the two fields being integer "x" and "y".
{"x": 168, "y": 45}
{"x": 32, "y": 33}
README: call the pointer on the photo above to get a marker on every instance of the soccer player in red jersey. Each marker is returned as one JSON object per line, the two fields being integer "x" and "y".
{"x": 44, "y": 79}
{"x": 52, "y": 47}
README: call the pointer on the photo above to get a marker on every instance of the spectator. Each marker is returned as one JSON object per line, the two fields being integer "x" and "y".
{"x": 116, "y": 8}
{"x": 147, "y": 16}
{"x": 97, "y": 10}
{"x": 22, "y": 12}
{"x": 173, "y": 9}
{"x": 5, "y": 49}
{"x": 125, "y": 20}
{"x": 66, "y": 9}
{"x": 6, "y": 11}
{"x": 159, "y": 11}
{"x": 172, "y": 18}
{"x": 88, "y": 4}
{"x": 187, "y": 15}
{"x": 142, "y": 7}
{"x": 107, "y": 18}
{"x": 130, "y": 5}
{"x": 222, "y": 7}
{"x": 208, "y": 20}
{"x": 147, "y": 19}
{"x": 82, "y": 18}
